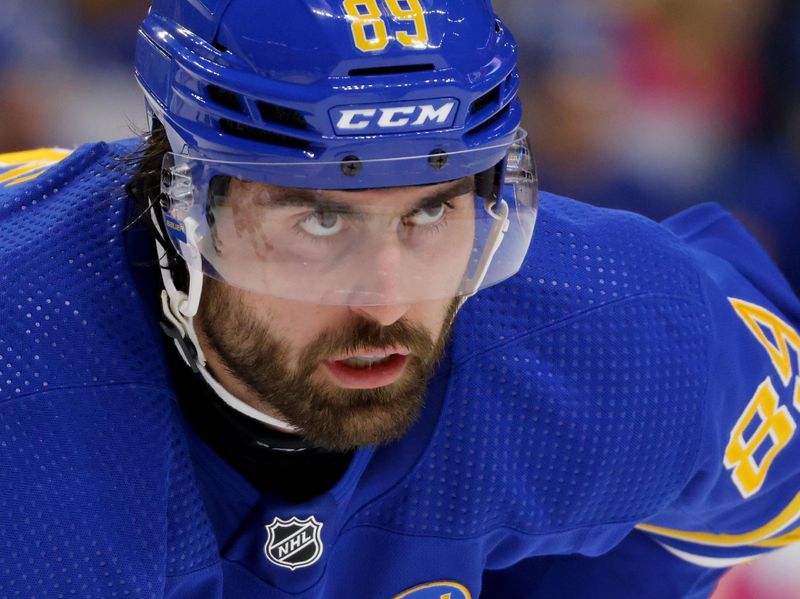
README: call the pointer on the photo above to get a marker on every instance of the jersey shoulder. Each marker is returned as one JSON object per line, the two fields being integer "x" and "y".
{"x": 93, "y": 456}
{"x": 53, "y": 167}
{"x": 568, "y": 381}
{"x": 619, "y": 377}
{"x": 68, "y": 298}
{"x": 742, "y": 499}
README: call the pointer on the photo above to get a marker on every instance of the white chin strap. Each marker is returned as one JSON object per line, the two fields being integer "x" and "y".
{"x": 180, "y": 309}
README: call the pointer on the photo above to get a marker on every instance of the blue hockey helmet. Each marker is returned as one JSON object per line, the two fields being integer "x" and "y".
{"x": 328, "y": 96}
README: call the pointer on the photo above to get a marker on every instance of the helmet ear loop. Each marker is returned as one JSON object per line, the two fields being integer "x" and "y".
{"x": 488, "y": 185}
{"x": 194, "y": 264}
{"x": 177, "y": 185}
{"x": 177, "y": 306}
{"x": 180, "y": 308}
{"x": 498, "y": 209}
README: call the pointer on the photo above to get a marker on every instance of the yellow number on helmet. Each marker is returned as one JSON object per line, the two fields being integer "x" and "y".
{"x": 776, "y": 427}
{"x": 366, "y": 23}
{"x": 414, "y": 13}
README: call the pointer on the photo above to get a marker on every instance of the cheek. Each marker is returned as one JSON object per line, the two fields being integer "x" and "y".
{"x": 431, "y": 315}
{"x": 294, "y": 324}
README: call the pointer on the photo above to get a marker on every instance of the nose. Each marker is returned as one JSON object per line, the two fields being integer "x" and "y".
{"x": 379, "y": 294}
{"x": 384, "y": 315}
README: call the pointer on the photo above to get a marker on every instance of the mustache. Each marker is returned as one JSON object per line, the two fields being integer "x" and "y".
{"x": 367, "y": 334}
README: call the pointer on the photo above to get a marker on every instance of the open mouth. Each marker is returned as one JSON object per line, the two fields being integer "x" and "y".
{"x": 368, "y": 370}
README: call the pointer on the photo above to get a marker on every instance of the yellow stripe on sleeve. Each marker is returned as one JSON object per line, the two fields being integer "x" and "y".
{"x": 41, "y": 155}
{"x": 786, "y": 518}
{"x": 26, "y": 166}
{"x": 782, "y": 541}
{"x": 26, "y": 178}
{"x": 22, "y": 173}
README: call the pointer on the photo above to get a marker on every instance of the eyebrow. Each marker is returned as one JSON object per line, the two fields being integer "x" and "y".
{"x": 308, "y": 198}
{"x": 462, "y": 187}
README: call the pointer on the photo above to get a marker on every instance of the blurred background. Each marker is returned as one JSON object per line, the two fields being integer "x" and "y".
{"x": 646, "y": 105}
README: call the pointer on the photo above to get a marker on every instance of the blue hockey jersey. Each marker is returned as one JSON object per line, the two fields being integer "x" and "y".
{"x": 636, "y": 382}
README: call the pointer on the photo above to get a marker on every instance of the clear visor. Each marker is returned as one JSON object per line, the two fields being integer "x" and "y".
{"x": 375, "y": 246}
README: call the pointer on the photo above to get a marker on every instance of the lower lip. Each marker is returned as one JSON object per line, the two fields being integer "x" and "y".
{"x": 375, "y": 376}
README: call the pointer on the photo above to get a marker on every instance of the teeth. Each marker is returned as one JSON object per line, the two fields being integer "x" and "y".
{"x": 365, "y": 361}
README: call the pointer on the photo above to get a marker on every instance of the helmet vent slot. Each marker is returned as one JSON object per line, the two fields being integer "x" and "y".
{"x": 488, "y": 124}
{"x": 225, "y": 98}
{"x": 392, "y": 70}
{"x": 260, "y": 135}
{"x": 281, "y": 115}
{"x": 491, "y": 98}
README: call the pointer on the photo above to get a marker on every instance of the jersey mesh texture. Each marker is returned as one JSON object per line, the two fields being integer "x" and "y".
{"x": 92, "y": 465}
{"x": 578, "y": 387}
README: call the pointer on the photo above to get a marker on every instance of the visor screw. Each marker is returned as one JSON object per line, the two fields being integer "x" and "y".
{"x": 351, "y": 166}
{"x": 438, "y": 159}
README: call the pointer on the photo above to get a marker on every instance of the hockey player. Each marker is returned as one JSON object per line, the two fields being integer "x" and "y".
{"x": 327, "y": 182}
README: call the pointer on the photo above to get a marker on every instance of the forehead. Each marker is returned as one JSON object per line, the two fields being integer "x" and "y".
{"x": 388, "y": 196}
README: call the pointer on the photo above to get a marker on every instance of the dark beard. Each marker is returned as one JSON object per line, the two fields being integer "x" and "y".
{"x": 330, "y": 417}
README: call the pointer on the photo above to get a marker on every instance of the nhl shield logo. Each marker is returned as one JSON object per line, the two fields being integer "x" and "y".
{"x": 293, "y": 543}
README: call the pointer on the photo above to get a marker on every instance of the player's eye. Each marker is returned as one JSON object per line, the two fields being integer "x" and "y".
{"x": 427, "y": 216}
{"x": 322, "y": 223}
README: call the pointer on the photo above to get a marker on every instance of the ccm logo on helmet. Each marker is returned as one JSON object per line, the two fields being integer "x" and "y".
{"x": 360, "y": 120}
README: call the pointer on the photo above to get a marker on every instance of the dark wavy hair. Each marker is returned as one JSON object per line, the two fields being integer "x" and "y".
{"x": 144, "y": 190}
